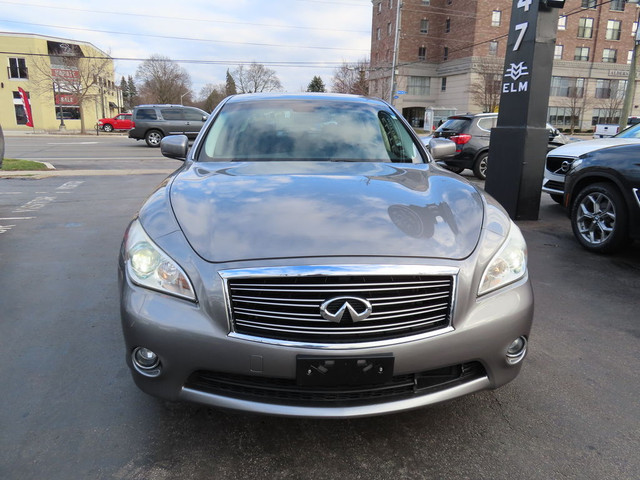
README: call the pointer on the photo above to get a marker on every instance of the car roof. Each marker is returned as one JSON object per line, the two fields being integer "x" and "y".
{"x": 339, "y": 97}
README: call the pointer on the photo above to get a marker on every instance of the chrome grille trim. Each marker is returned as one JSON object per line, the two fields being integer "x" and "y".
{"x": 396, "y": 318}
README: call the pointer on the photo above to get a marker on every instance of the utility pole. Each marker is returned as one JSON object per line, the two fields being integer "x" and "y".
{"x": 630, "y": 91}
{"x": 396, "y": 45}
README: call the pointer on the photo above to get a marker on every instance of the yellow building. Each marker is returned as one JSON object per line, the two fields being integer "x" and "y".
{"x": 69, "y": 84}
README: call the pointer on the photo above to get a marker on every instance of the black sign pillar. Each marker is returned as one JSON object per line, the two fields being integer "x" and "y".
{"x": 519, "y": 142}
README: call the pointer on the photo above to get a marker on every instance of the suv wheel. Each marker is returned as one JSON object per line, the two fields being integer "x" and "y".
{"x": 153, "y": 138}
{"x": 556, "y": 197}
{"x": 599, "y": 218}
{"x": 480, "y": 167}
{"x": 107, "y": 127}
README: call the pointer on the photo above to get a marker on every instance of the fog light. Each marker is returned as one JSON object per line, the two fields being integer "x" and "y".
{"x": 146, "y": 362}
{"x": 517, "y": 350}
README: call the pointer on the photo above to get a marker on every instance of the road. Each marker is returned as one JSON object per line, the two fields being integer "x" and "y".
{"x": 71, "y": 411}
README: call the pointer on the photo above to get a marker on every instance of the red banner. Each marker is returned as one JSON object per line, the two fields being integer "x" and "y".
{"x": 65, "y": 73}
{"x": 27, "y": 106}
{"x": 66, "y": 99}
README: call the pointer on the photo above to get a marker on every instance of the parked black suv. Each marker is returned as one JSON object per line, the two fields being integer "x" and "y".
{"x": 471, "y": 133}
{"x": 602, "y": 191}
{"x": 153, "y": 122}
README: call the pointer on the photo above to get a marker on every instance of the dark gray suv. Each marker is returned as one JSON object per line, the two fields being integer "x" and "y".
{"x": 153, "y": 122}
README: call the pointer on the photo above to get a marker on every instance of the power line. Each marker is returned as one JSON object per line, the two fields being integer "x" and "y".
{"x": 188, "y": 19}
{"x": 169, "y": 37}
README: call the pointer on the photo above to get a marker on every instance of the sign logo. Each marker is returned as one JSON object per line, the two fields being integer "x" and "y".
{"x": 516, "y": 71}
{"x": 334, "y": 309}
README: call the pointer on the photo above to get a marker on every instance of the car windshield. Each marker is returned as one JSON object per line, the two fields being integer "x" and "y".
{"x": 631, "y": 132}
{"x": 301, "y": 130}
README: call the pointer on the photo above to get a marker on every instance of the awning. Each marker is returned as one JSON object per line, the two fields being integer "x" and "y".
{"x": 112, "y": 105}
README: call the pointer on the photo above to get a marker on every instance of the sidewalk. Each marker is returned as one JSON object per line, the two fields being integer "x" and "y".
{"x": 37, "y": 174}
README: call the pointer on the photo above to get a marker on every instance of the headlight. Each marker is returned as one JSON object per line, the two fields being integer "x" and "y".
{"x": 148, "y": 266}
{"x": 508, "y": 265}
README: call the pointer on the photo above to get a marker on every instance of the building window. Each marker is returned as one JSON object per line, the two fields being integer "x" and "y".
{"x": 418, "y": 85}
{"x": 634, "y": 29}
{"x": 389, "y": 28}
{"x": 571, "y": 87}
{"x": 613, "y": 30}
{"x": 617, "y": 5}
{"x": 426, "y": 3}
{"x": 605, "y": 115}
{"x": 447, "y": 25}
{"x": 390, "y": 4}
{"x": 589, "y": 3}
{"x": 585, "y": 28}
{"x": 422, "y": 53}
{"x": 493, "y": 48}
{"x": 629, "y": 57}
{"x": 445, "y": 55}
{"x": 562, "y": 116}
{"x": 380, "y": 7}
{"x": 18, "y": 68}
{"x": 424, "y": 26}
{"x": 581, "y": 54}
{"x": 562, "y": 22}
{"x": 377, "y": 33}
{"x": 496, "y": 18}
{"x": 443, "y": 84}
{"x": 557, "y": 52}
{"x": 609, "y": 55}
{"x": 18, "y": 107}
{"x": 603, "y": 88}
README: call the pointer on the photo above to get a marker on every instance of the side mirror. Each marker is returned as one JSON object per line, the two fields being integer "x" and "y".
{"x": 175, "y": 146}
{"x": 441, "y": 148}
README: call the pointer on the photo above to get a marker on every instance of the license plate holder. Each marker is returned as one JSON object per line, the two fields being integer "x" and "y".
{"x": 340, "y": 371}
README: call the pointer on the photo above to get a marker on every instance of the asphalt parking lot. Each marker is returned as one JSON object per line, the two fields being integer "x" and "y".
{"x": 71, "y": 410}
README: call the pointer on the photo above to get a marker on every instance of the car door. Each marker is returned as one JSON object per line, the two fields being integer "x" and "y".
{"x": 194, "y": 120}
{"x": 123, "y": 122}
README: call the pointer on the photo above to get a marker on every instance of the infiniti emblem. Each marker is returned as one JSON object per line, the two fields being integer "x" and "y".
{"x": 334, "y": 308}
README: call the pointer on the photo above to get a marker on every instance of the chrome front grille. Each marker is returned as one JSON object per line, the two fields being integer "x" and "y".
{"x": 289, "y": 307}
{"x": 559, "y": 165}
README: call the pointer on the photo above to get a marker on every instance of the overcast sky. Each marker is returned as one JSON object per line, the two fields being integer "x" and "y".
{"x": 296, "y": 38}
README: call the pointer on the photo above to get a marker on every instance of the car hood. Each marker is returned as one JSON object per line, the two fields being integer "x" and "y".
{"x": 580, "y": 148}
{"x": 268, "y": 210}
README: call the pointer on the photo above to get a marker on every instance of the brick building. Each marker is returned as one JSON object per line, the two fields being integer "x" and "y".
{"x": 449, "y": 57}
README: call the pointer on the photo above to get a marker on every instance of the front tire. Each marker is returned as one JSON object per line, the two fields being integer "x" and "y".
{"x": 480, "y": 167}
{"x": 108, "y": 128}
{"x": 599, "y": 218}
{"x": 556, "y": 197}
{"x": 153, "y": 138}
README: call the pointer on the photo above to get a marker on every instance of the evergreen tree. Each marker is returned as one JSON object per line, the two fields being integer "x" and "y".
{"x": 124, "y": 88}
{"x": 230, "y": 86}
{"x": 133, "y": 92}
{"x": 316, "y": 85}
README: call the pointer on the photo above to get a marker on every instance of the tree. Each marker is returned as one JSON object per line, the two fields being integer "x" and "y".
{"x": 163, "y": 81}
{"x": 230, "y": 85}
{"x": 124, "y": 88}
{"x": 133, "y": 91}
{"x": 74, "y": 76}
{"x": 256, "y": 78}
{"x": 352, "y": 78}
{"x": 316, "y": 85}
{"x": 486, "y": 88}
{"x": 211, "y": 95}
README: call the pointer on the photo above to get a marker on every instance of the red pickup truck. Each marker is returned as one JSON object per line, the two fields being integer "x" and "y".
{"x": 122, "y": 121}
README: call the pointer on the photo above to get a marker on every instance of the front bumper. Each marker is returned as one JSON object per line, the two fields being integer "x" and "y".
{"x": 191, "y": 338}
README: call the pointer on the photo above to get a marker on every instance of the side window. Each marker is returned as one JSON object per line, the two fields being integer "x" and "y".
{"x": 398, "y": 142}
{"x": 193, "y": 115}
{"x": 146, "y": 114}
{"x": 171, "y": 114}
{"x": 486, "y": 123}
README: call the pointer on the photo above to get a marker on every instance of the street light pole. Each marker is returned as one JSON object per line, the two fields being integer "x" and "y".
{"x": 629, "y": 93}
{"x": 396, "y": 45}
{"x": 181, "y": 97}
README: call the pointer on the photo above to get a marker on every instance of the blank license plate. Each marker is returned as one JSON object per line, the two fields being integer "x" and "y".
{"x": 337, "y": 371}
